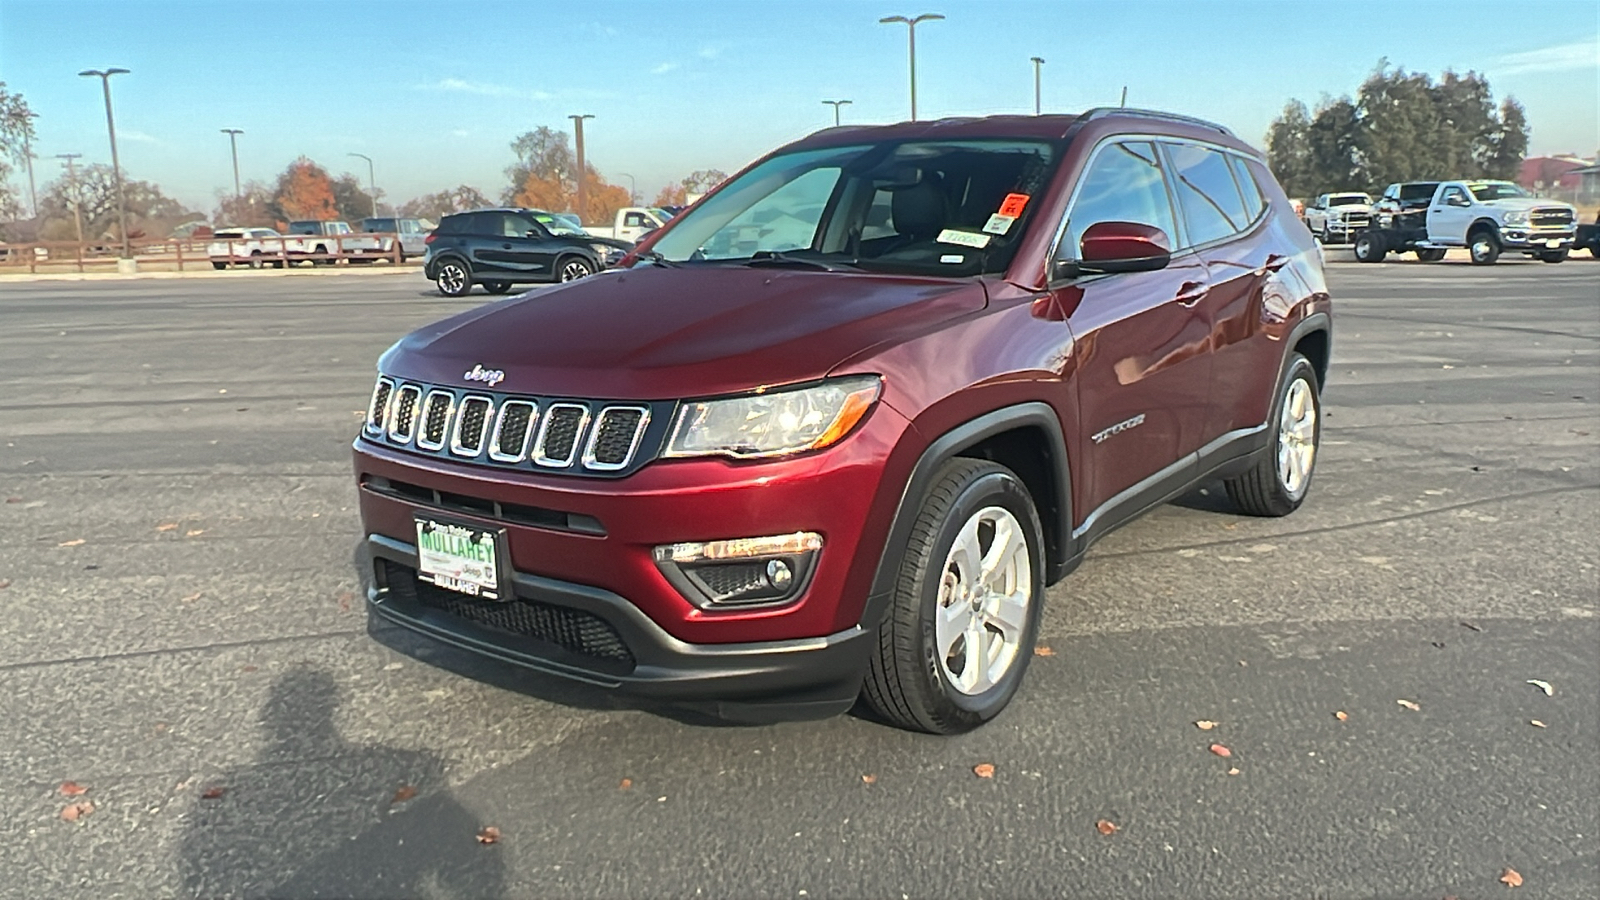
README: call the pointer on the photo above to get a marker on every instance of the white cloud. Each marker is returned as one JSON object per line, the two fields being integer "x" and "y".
{"x": 128, "y": 134}
{"x": 1559, "y": 58}
{"x": 710, "y": 51}
{"x": 484, "y": 89}
{"x": 664, "y": 68}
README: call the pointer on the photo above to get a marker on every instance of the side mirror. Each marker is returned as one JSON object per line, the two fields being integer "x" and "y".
{"x": 1123, "y": 247}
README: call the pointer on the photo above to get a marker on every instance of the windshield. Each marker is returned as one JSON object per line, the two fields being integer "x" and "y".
{"x": 1496, "y": 190}
{"x": 558, "y": 225}
{"x": 1349, "y": 200}
{"x": 916, "y": 207}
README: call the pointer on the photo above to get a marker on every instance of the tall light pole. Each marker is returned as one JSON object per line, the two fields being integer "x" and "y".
{"x": 233, "y": 141}
{"x": 1037, "y": 64}
{"x": 26, "y": 127}
{"x": 116, "y": 167}
{"x": 1124, "y": 96}
{"x": 583, "y": 170}
{"x": 836, "y": 104}
{"x": 633, "y": 189}
{"x": 911, "y": 30}
{"x": 72, "y": 184}
{"x": 372, "y": 183}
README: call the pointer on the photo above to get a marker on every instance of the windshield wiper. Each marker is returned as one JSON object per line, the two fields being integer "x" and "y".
{"x": 779, "y": 258}
{"x": 655, "y": 256}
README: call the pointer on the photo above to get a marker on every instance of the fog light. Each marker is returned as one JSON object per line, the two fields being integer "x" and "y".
{"x": 742, "y": 571}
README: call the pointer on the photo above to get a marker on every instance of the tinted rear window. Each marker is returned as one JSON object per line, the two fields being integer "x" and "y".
{"x": 1418, "y": 191}
{"x": 459, "y": 224}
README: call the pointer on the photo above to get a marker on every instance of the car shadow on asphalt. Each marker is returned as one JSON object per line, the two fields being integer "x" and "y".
{"x": 316, "y": 815}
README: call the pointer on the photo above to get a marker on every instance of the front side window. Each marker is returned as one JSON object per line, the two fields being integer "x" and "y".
{"x": 1212, "y": 206}
{"x": 1454, "y": 196}
{"x": 1122, "y": 184}
{"x": 952, "y": 207}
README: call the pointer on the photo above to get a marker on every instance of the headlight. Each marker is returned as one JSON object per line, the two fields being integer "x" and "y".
{"x": 1515, "y": 217}
{"x": 602, "y": 250}
{"x": 773, "y": 423}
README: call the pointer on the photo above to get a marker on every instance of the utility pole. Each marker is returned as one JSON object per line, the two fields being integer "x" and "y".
{"x": 233, "y": 141}
{"x": 1038, "y": 63}
{"x": 911, "y": 30}
{"x": 583, "y": 170}
{"x": 372, "y": 184}
{"x": 72, "y": 182}
{"x": 116, "y": 168}
{"x": 836, "y": 104}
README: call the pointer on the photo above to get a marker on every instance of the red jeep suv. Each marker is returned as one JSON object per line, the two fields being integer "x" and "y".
{"x": 830, "y": 433}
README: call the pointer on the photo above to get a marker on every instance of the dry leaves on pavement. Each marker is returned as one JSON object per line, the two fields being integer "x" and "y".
{"x": 1536, "y": 723}
{"x": 191, "y": 598}
{"x": 625, "y": 784}
{"x": 1511, "y": 877}
{"x": 1043, "y": 651}
{"x": 4, "y": 583}
{"x": 406, "y": 792}
{"x": 214, "y": 792}
{"x": 1409, "y": 705}
{"x": 489, "y": 835}
{"x": 1233, "y": 771}
{"x": 983, "y": 770}
{"x": 1543, "y": 686}
{"x": 1221, "y": 751}
{"x": 1105, "y": 826}
{"x": 194, "y": 532}
{"x": 72, "y": 789}
{"x": 167, "y": 526}
{"x": 1341, "y": 715}
{"x": 76, "y": 811}
{"x": 1205, "y": 724}
{"x": 869, "y": 779}
{"x": 72, "y": 543}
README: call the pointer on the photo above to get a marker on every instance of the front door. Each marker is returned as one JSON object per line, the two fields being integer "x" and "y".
{"x": 1142, "y": 338}
{"x": 1448, "y": 216}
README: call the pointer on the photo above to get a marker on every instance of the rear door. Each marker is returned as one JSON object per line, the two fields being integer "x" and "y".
{"x": 489, "y": 244}
{"x": 1142, "y": 338}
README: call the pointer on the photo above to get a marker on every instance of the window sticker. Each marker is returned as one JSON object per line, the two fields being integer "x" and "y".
{"x": 999, "y": 224}
{"x": 953, "y": 258}
{"x": 1013, "y": 205}
{"x": 963, "y": 238}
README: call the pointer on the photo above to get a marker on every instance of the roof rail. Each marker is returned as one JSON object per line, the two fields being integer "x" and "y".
{"x": 1101, "y": 112}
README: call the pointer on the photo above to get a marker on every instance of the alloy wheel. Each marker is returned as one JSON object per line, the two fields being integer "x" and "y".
{"x": 985, "y": 591}
{"x": 575, "y": 269}
{"x": 1297, "y": 438}
{"x": 451, "y": 278}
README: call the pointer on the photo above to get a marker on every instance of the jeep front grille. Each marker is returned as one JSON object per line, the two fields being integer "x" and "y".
{"x": 558, "y": 435}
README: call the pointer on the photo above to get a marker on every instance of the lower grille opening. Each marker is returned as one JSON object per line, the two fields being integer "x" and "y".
{"x": 570, "y": 629}
{"x": 516, "y": 513}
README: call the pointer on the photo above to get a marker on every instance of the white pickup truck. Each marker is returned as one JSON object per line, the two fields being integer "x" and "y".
{"x": 1334, "y": 218}
{"x": 631, "y": 223}
{"x": 1486, "y": 217}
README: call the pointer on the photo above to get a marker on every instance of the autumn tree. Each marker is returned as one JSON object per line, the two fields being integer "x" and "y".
{"x": 545, "y": 176}
{"x": 695, "y": 183}
{"x": 305, "y": 191}
{"x": 438, "y": 205}
{"x": 671, "y": 195}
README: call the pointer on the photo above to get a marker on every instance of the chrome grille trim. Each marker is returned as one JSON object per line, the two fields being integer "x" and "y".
{"x": 496, "y": 441}
{"x": 474, "y": 445}
{"x": 589, "y": 460}
{"x": 403, "y": 413}
{"x": 425, "y": 439}
{"x": 540, "y": 445}
{"x": 378, "y": 406}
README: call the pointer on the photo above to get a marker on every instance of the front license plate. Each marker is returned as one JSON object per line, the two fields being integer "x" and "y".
{"x": 459, "y": 557}
{"x": 1552, "y": 244}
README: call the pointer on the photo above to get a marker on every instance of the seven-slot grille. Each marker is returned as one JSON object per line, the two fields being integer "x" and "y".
{"x": 1551, "y": 217}
{"x": 571, "y": 435}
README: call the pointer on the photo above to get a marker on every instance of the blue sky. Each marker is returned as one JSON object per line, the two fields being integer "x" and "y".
{"x": 435, "y": 91}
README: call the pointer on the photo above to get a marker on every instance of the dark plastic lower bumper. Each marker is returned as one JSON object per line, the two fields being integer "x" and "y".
{"x": 806, "y": 678}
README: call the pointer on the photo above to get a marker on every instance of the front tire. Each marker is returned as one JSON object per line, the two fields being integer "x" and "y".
{"x": 1370, "y": 247}
{"x": 1484, "y": 247}
{"x": 1431, "y": 254}
{"x": 961, "y": 625}
{"x": 1554, "y": 256}
{"x": 1277, "y": 484}
{"x": 575, "y": 267}
{"x": 453, "y": 278}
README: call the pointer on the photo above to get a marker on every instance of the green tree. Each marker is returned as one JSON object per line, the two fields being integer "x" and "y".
{"x": 1508, "y": 143}
{"x": 1467, "y": 123}
{"x": 1289, "y": 150}
{"x": 1334, "y": 143}
{"x": 254, "y": 208}
{"x": 351, "y": 199}
{"x": 150, "y": 212}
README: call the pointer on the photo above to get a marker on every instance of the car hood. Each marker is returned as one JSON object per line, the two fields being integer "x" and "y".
{"x": 1522, "y": 203}
{"x": 655, "y": 333}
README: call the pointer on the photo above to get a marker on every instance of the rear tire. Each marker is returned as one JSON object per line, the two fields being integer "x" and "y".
{"x": 1370, "y": 247}
{"x": 453, "y": 278}
{"x": 1432, "y": 254}
{"x": 963, "y": 618}
{"x": 1483, "y": 247}
{"x": 219, "y": 265}
{"x": 1277, "y": 484}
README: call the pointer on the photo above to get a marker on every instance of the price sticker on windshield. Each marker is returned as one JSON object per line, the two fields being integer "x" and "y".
{"x": 999, "y": 224}
{"x": 1013, "y": 205}
{"x": 963, "y": 238}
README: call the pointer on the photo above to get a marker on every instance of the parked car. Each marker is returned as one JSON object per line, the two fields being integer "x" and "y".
{"x": 765, "y": 479}
{"x": 1587, "y": 237}
{"x": 413, "y": 236}
{"x": 498, "y": 248}
{"x": 324, "y": 242}
{"x": 251, "y": 247}
{"x": 1333, "y": 218}
{"x": 631, "y": 223}
{"x": 1486, "y": 217}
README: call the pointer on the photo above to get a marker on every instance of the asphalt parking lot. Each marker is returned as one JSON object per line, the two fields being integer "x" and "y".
{"x": 184, "y": 638}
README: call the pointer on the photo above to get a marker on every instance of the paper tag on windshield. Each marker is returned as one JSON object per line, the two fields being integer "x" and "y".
{"x": 999, "y": 224}
{"x": 953, "y": 258}
{"x": 963, "y": 238}
{"x": 1013, "y": 205}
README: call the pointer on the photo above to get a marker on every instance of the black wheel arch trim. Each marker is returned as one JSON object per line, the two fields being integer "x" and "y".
{"x": 442, "y": 258}
{"x": 1033, "y": 414}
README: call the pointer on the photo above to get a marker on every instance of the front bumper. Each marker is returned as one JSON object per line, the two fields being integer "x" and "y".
{"x": 594, "y": 636}
{"x": 1513, "y": 237}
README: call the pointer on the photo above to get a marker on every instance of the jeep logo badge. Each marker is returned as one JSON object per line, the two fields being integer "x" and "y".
{"x": 491, "y": 377}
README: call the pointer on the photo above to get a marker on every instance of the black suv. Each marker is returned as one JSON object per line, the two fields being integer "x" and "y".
{"x": 501, "y": 247}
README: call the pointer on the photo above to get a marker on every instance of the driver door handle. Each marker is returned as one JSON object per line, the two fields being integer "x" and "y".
{"x": 1190, "y": 293}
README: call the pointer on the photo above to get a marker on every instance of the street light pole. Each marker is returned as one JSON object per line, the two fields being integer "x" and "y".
{"x": 836, "y": 104}
{"x": 911, "y": 31}
{"x": 633, "y": 189}
{"x": 1037, "y": 64}
{"x": 233, "y": 141}
{"x": 72, "y": 182}
{"x": 583, "y": 170}
{"x": 116, "y": 167}
{"x": 372, "y": 183}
